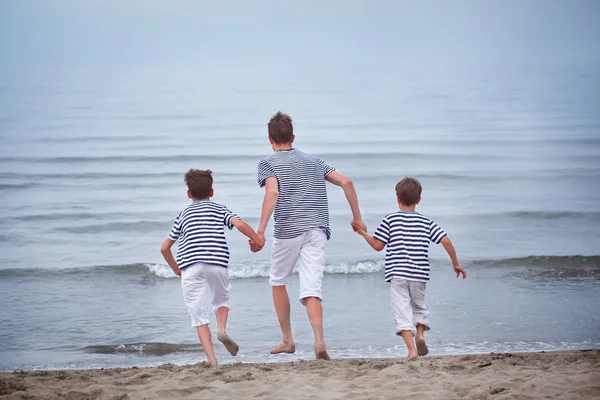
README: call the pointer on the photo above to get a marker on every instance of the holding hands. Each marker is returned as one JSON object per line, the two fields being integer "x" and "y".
{"x": 359, "y": 227}
{"x": 256, "y": 246}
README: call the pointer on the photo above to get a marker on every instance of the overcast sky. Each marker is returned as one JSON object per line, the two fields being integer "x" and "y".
{"x": 271, "y": 32}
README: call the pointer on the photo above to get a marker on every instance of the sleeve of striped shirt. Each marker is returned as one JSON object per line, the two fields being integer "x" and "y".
{"x": 176, "y": 230}
{"x": 264, "y": 171}
{"x": 228, "y": 216}
{"x": 383, "y": 231}
{"x": 436, "y": 234}
{"x": 325, "y": 168}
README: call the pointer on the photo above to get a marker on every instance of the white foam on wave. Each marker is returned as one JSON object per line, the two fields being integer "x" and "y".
{"x": 261, "y": 269}
{"x": 161, "y": 270}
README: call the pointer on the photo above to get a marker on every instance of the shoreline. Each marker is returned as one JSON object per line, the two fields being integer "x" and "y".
{"x": 561, "y": 374}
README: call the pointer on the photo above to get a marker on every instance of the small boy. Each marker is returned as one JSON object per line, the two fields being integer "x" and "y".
{"x": 296, "y": 192}
{"x": 202, "y": 258}
{"x": 407, "y": 235}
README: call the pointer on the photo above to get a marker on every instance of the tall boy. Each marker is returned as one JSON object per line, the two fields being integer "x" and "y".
{"x": 203, "y": 257}
{"x": 407, "y": 234}
{"x": 295, "y": 190}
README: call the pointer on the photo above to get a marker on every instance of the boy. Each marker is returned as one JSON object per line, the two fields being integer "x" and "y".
{"x": 407, "y": 235}
{"x": 295, "y": 190}
{"x": 202, "y": 258}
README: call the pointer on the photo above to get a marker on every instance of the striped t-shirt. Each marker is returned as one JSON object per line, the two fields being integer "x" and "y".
{"x": 302, "y": 201}
{"x": 200, "y": 229}
{"x": 407, "y": 236}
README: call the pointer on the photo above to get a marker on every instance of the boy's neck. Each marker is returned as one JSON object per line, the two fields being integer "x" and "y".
{"x": 280, "y": 147}
{"x": 205, "y": 199}
{"x": 408, "y": 208}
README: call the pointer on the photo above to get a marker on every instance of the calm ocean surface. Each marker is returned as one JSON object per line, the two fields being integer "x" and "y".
{"x": 91, "y": 178}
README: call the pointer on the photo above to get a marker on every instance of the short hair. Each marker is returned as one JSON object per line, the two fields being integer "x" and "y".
{"x": 408, "y": 191}
{"x": 199, "y": 183}
{"x": 281, "y": 129}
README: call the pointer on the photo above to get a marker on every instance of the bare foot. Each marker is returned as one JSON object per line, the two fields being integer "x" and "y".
{"x": 229, "y": 344}
{"x": 321, "y": 352}
{"x": 412, "y": 356}
{"x": 212, "y": 363}
{"x": 284, "y": 347}
{"x": 422, "y": 349}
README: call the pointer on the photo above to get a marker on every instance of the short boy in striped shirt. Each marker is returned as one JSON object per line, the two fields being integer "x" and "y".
{"x": 203, "y": 257}
{"x": 407, "y": 235}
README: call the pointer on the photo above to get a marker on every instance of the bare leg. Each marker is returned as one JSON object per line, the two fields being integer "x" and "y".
{"x": 315, "y": 315}
{"x": 410, "y": 345}
{"x": 281, "y": 301}
{"x": 422, "y": 349}
{"x": 230, "y": 345}
{"x": 206, "y": 341}
{"x": 222, "y": 315}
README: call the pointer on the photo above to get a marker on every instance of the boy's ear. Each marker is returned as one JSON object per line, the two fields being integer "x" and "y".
{"x": 293, "y": 138}
{"x": 418, "y": 201}
{"x": 398, "y": 200}
{"x": 212, "y": 193}
{"x": 271, "y": 140}
{"x": 189, "y": 194}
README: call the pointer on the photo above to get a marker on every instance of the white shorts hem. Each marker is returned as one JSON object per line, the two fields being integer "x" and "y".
{"x": 215, "y": 308}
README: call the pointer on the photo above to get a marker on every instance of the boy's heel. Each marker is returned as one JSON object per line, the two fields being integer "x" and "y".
{"x": 229, "y": 344}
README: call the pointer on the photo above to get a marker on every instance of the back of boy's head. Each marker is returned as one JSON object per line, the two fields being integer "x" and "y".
{"x": 408, "y": 191}
{"x": 199, "y": 183}
{"x": 281, "y": 130}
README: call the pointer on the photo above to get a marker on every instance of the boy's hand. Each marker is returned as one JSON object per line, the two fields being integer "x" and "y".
{"x": 256, "y": 247}
{"x": 460, "y": 270}
{"x": 358, "y": 223}
{"x": 360, "y": 229}
{"x": 178, "y": 272}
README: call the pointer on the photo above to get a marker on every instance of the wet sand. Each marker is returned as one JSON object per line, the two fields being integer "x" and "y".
{"x": 556, "y": 375}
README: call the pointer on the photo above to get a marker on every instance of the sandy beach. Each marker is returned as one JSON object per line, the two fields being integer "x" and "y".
{"x": 558, "y": 375}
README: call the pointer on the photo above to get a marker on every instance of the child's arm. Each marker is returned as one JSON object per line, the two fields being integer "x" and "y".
{"x": 269, "y": 202}
{"x": 377, "y": 245}
{"x": 248, "y": 231}
{"x": 348, "y": 187}
{"x": 165, "y": 249}
{"x": 452, "y": 253}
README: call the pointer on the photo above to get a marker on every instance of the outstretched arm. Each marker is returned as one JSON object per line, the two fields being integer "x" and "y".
{"x": 249, "y": 232}
{"x": 348, "y": 187}
{"x": 452, "y": 253}
{"x": 165, "y": 249}
{"x": 377, "y": 245}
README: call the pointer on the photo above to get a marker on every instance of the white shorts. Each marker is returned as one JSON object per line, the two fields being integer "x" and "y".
{"x": 308, "y": 252}
{"x": 205, "y": 287}
{"x": 408, "y": 305}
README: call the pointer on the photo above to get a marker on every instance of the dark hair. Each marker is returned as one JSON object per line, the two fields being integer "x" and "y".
{"x": 199, "y": 182}
{"x": 280, "y": 128}
{"x": 408, "y": 191}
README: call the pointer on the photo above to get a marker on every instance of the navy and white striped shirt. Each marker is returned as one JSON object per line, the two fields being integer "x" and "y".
{"x": 200, "y": 229}
{"x": 407, "y": 236}
{"x": 302, "y": 201}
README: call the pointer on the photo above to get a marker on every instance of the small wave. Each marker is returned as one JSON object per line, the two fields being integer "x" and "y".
{"x": 74, "y": 175}
{"x": 261, "y": 269}
{"x": 74, "y": 216}
{"x": 542, "y": 261}
{"x": 9, "y": 186}
{"x": 160, "y": 270}
{"x": 553, "y": 214}
{"x": 207, "y": 158}
{"x": 134, "y": 226}
{"x": 144, "y": 348}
